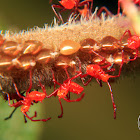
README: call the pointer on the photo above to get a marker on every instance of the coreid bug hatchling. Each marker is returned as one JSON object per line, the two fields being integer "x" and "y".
{"x": 65, "y": 88}
{"x": 28, "y": 100}
{"x": 14, "y": 96}
{"x": 96, "y": 71}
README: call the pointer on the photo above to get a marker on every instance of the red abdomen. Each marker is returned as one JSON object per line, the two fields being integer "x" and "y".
{"x": 75, "y": 88}
{"x": 134, "y": 42}
{"x": 68, "y": 4}
{"x": 94, "y": 71}
{"x": 37, "y": 96}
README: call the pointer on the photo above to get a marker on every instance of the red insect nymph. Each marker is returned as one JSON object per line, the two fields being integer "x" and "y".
{"x": 28, "y": 100}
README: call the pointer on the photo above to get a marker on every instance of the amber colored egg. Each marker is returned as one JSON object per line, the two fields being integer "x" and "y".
{"x": 43, "y": 56}
{"x": 110, "y": 43}
{"x": 69, "y": 47}
{"x": 64, "y": 62}
{"x": 5, "y": 61}
{"x": 97, "y": 59}
{"x": 32, "y": 47}
{"x": 24, "y": 62}
{"x": 118, "y": 57}
{"x": 89, "y": 44}
{"x": 11, "y": 48}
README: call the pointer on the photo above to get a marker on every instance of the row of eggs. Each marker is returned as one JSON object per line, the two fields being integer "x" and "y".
{"x": 26, "y": 55}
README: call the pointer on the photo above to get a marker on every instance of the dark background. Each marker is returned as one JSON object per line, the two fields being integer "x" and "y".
{"x": 92, "y": 118}
{"x": 25, "y": 14}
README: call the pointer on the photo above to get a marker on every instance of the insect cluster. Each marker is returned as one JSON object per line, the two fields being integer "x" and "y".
{"x": 71, "y": 63}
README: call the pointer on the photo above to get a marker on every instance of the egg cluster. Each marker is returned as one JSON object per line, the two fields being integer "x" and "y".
{"x": 27, "y": 55}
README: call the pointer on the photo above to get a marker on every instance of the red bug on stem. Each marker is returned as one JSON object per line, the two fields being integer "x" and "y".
{"x": 17, "y": 99}
{"x": 72, "y": 5}
{"x": 28, "y": 100}
{"x": 96, "y": 71}
{"x": 133, "y": 43}
{"x": 65, "y": 88}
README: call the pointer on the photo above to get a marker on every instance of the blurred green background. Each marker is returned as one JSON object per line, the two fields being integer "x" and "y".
{"x": 92, "y": 118}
